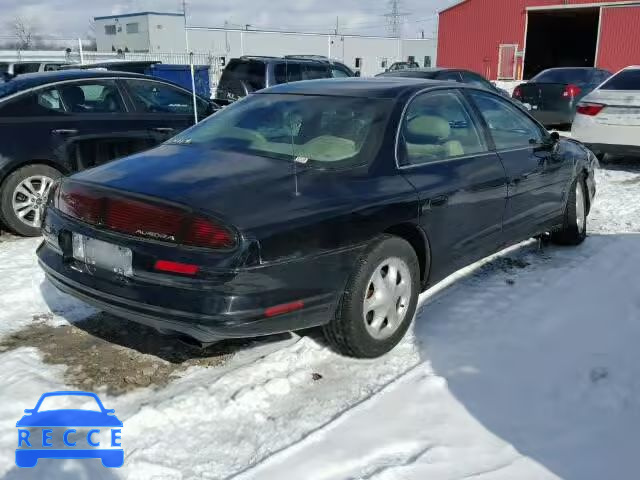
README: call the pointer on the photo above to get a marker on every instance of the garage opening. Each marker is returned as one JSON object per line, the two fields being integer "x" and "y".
{"x": 561, "y": 38}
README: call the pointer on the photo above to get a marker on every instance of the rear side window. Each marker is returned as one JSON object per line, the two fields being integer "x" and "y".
{"x": 509, "y": 127}
{"x": 453, "y": 76}
{"x": 288, "y": 72}
{"x": 22, "y": 68}
{"x": 475, "y": 79}
{"x": 625, "y": 80}
{"x": 339, "y": 72}
{"x": 157, "y": 97}
{"x": 314, "y": 71}
{"x": 92, "y": 97}
{"x": 241, "y": 78}
{"x": 44, "y": 103}
{"x": 438, "y": 126}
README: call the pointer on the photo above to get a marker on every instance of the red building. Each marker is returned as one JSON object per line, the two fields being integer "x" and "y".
{"x": 515, "y": 39}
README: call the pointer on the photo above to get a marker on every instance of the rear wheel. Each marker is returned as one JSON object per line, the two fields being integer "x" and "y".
{"x": 379, "y": 302}
{"x": 574, "y": 228}
{"x": 23, "y": 196}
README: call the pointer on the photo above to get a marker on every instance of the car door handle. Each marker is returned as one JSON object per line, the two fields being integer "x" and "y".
{"x": 64, "y": 131}
{"x": 163, "y": 129}
{"x": 434, "y": 202}
{"x": 439, "y": 201}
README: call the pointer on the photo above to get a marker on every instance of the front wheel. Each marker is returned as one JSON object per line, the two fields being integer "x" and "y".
{"x": 379, "y": 301}
{"x": 23, "y": 197}
{"x": 574, "y": 228}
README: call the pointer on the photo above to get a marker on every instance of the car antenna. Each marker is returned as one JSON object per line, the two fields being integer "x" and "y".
{"x": 295, "y": 158}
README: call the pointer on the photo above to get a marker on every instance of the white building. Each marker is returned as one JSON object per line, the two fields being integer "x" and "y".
{"x": 145, "y": 32}
{"x": 153, "y": 32}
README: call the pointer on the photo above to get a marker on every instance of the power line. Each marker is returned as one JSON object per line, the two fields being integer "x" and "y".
{"x": 395, "y": 19}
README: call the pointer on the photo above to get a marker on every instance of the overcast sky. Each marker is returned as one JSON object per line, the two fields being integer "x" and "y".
{"x": 71, "y": 18}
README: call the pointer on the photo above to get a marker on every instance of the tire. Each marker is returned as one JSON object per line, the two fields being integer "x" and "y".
{"x": 35, "y": 175}
{"x": 356, "y": 333}
{"x": 573, "y": 231}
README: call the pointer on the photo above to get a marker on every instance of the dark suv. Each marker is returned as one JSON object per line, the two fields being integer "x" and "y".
{"x": 56, "y": 123}
{"x": 249, "y": 74}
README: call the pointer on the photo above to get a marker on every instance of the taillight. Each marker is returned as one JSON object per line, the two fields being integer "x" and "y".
{"x": 571, "y": 91}
{"x": 517, "y": 92}
{"x": 140, "y": 218}
{"x": 590, "y": 109}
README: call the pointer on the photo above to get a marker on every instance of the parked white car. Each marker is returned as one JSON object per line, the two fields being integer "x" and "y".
{"x": 608, "y": 119}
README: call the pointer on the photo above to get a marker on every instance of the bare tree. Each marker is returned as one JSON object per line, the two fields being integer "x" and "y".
{"x": 24, "y": 31}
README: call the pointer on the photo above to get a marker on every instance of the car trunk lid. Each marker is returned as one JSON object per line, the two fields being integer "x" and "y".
{"x": 548, "y": 96}
{"x": 621, "y": 107}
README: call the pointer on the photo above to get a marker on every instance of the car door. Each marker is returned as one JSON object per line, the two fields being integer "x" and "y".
{"x": 83, "y": 123}
{"x": 99, "y": 126}
{"x": 162, "y": 109}
{"x": 443, "y": 152}
{"x": 537, "y": 176}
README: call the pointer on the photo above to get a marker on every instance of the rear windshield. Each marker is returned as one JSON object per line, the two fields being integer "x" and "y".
{"x": 318, "y": 130}
{"x": 625, "y": 80}
{"x": 22, "y": 68}
{"x": 241, "y": 78}
{"x": 564, "y": 75}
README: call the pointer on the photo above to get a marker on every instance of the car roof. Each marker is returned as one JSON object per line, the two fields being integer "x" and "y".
{"x": 289, "y": 59}
{"x": 378, "y": 87}
{"x": 33, "y": 80}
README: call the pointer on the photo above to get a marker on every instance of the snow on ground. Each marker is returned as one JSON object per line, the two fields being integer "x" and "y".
{"x": 523, "y": 366}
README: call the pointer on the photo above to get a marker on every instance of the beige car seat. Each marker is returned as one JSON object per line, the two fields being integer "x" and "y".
{"x": 429, "y": 136}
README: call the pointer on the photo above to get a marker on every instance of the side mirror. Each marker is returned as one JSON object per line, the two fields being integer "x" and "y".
{"x": 358, "y": 73}
{"x": 28, "y": 410}
{"x": 555, "y": 136}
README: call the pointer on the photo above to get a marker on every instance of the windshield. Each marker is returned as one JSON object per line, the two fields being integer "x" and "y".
{"x": 565, "y": 76}
{"x": 625, "y": 80}
{"x": 322, "y": 130}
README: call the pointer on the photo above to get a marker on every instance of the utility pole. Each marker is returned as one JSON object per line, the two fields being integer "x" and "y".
{"x": 395, "y": 19}
{"x": 193, "y": 73}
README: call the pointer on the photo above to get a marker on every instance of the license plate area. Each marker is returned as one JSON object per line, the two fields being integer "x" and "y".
{"x": 104, "y": 255}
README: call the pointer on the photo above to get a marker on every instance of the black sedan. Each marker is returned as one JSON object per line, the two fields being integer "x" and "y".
{"x": 56, "y": 123}
{"x": 447, "y": 74}
{"x": 553, "y": 95}
{"x": 327, "y": 203}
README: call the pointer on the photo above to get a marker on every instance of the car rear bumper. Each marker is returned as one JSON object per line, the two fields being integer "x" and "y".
{"x": 553, "y": 117}
{"x": 232, "y": 307}
{"x": 604, "y": 138}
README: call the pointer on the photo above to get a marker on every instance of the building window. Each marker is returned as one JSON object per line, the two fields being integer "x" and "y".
{"x": 109, "y": 29}
{"x": 358, "y": 62}
{"x": 159, "y": 27}
{"x": 411, "y": 59}
{"x": 384, "y": 62}
{"x": 427, "y": 62}
{"x": 132, "y": 27}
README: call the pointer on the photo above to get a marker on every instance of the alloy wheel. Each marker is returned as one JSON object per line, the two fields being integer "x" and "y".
{"x": 29, "y": 199}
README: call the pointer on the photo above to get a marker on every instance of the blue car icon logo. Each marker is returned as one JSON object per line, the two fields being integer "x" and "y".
{"x": 33, "y": 446}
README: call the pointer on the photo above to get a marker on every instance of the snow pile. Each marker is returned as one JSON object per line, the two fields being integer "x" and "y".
{"x": 523, "y": 366}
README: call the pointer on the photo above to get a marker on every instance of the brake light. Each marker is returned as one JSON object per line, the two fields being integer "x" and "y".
{"x": 590, "y": 109}
{"x": 571, "y": 91}
{"x": 517, "y": 92}
{"x": 140, "y": 218}
{"x": 176, "y": 267}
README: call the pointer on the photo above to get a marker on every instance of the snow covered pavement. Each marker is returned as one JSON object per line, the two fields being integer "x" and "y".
{"x": 524, "y": 366}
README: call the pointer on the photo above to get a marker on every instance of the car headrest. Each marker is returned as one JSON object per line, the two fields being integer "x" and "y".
{"x": 429, "y": 126}
{"x": 72, "y": 95}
